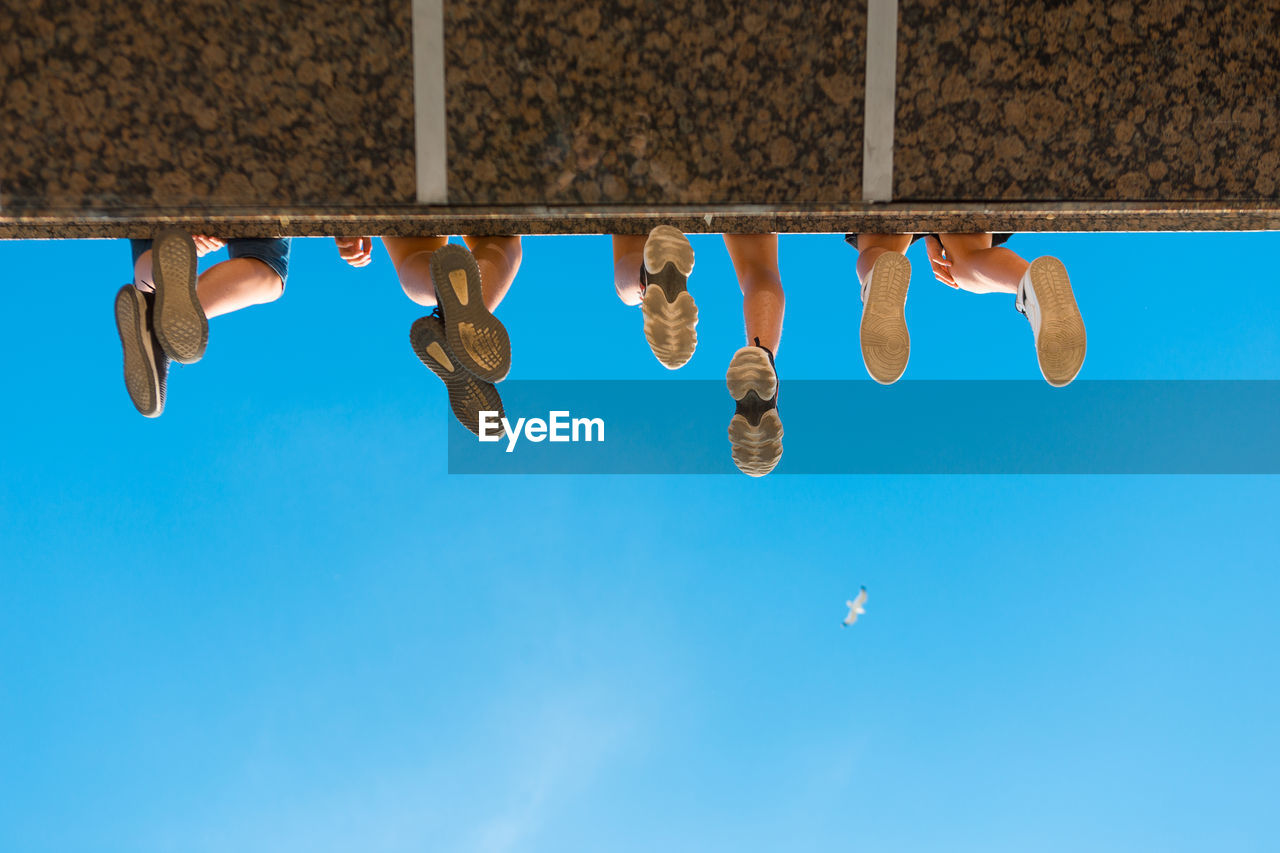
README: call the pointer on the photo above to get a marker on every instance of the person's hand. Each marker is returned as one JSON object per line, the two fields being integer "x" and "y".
{"x": 939, "y": 261}
{"x": 357, "y": 251}
{"x": 205, "y": 245}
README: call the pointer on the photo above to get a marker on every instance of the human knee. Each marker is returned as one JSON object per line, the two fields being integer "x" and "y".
{"x": 509, "y": 246}
{"x": 421, "y": 292}
{"x": 414, "y": 272}
{"x": 760, "y": 279}
{"x": 142, "y": 272}
{"x": 514, "y": 252}
{"x": 262, "y": 284}
{"x": 629, "y": 292}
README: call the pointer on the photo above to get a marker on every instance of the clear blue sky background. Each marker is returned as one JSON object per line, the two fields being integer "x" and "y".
{"x": 270, "y": 621}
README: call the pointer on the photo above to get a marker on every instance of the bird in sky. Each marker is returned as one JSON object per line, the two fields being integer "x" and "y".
{"x": 856, "y": 608}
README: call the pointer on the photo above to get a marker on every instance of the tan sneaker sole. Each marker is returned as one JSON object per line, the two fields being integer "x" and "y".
{"x": 886, "y": 345}
{"x": 756, "y": 448}
{"x": 144, "y": 376}
{"x": 468, "y": 394}
{"x": 476, "y": 337}
{"x": 181, "y": 326}
{"x": 1061, "y": 343}
{"x": 667, "y": 245}
{"x": 670, "y": 314}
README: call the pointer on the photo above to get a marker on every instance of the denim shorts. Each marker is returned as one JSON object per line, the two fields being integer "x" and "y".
{"x": 996, "y": 239}
{"x": 272, "y": 251}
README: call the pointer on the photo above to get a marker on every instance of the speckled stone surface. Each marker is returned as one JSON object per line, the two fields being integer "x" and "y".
{"x": 1071, "y": 99}
{"x": 654, "y": 101}
{"x": 258, "y": 116}
{"x": 205, "y": 103}
{"x": 1070, "y": 216}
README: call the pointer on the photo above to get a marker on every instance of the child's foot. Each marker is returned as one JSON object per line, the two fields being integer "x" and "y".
{"x": 468, "y": 394}
{"x": 180, "y": 324}
{"x": 670, "y": 315}
{"x": 146, "y": 366}
{"x": 477, "y": 339}
{"x": 755, "y": 432}
{"x": 1045, "y": 296}
{"x": 886, "y": 346}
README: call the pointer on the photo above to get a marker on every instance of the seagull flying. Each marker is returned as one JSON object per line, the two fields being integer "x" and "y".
{"x": 855, "y": 608}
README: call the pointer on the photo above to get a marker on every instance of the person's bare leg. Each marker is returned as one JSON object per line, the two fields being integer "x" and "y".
{"x": 1041, "y": 287}
{"x": 979, "y": 268}
{"x": 499, "y": 261}
{"x": 755, "y": 260}
{"x": 237, "y": 283}
{"x": 411, "y": 257}
{"x": 872, "y": 246}
{"x": 628, "y": 260}
{"x": 475, "y": 337}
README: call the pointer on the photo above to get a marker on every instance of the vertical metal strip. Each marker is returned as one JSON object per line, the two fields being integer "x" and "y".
{"x": 431, "y": 137}
{"x": 878, "y": 111}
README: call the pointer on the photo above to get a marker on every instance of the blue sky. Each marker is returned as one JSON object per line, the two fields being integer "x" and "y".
{"x": 269, "y": 620}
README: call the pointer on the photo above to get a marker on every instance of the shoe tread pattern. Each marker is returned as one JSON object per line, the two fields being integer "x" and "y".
{"x": 670, "y": 325}
{"x": 1061, "y": 343}
{"x": 755, "y": 430}
{"x": 756, "y": 448}
{"x": 886, "y": 344}
{"x": 668, "y": 245}
{"x": 180, "y": 323}
{"x": 468, "y": 394}
{"x": 476, "y": 337}
{"x": 144, "y": 376}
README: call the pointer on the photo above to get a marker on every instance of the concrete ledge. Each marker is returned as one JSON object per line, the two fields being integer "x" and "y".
{"x": 865, "y": 218}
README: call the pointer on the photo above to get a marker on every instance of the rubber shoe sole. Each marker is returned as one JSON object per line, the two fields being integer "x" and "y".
{"x": 468, "y": 394}
{"x": 755, "y": 431}
{"x": 145, "y": 369}
{"x": 180, "y": 323}
{"x": 477, "y": 339}
{"x": 1060, "y": 340}
{"x": 670, "y": 314}
{"x": 886, "y": 345}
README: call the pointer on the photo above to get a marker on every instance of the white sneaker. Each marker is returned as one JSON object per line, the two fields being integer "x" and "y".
{"x": 1044, "y": 295}
{"x": 886, "y": 345}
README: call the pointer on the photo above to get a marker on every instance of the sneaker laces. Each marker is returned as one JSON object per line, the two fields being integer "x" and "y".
{"x": 766, "y": 349}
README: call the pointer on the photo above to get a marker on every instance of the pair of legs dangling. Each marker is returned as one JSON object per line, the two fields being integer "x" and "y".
{"x": 653, "y": 272}
{"x": 462, "y": 342}
{"x": 974, "y": 263}
{"x": 164, "y": 314}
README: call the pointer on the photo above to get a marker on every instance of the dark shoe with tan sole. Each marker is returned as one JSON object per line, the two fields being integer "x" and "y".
{"x": 755, "y": 432}
{"x": 670, "y": 314}
{"x": 469, "y": 395}
{"x": 477, "y": 340}
{"x": 180, "y": 323}
{"x": 146, "y": 367}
